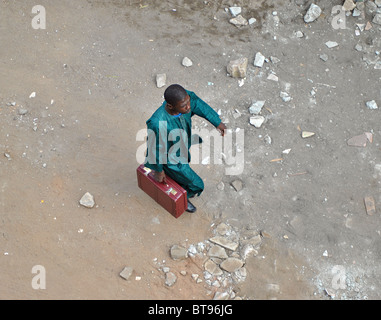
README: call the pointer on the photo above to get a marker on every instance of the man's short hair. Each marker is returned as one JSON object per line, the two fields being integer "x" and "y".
{"x": 174, "y": 93}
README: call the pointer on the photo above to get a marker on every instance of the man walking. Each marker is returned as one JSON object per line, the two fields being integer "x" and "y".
{"x": 170, "y": 138}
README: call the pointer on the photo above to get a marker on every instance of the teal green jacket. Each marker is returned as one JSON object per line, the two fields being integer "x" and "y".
{"x": 169, "y": 137}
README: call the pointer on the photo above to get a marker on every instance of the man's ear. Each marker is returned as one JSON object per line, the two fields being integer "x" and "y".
{"x": 169, "y": 106}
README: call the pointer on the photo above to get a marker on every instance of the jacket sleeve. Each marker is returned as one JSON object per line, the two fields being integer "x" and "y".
{"x": 156, "y": 145}
{"x": 202, "y": 109}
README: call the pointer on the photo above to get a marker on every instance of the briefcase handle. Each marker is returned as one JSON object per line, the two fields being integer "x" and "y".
{"x": 148, "y": 171}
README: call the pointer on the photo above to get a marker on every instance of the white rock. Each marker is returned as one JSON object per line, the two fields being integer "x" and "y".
{"x": 331, "y": 44}
{"x": 87, "y": 200}
{"x": 239, "y": 21}
{"x": 187, "y": 62}
{"x": 313, "y": 13}
{"x": 161, "y": 79}
{"x": 259, "y": 60}
{"x": 371, "y": 105}
{"x": 257, "y": 121}
{"x": 256, "y": 107}
{"x": 285, "y": 96}
{"x": 235, "y": 11}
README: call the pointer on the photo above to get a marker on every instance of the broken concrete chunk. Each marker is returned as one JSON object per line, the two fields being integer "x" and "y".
{"x": 257, "y": 121}
{"x": 358, "y": 141}
{"x": 161, "y": 79}
{"x": 256, "y": 107}
{"x": 126, "y": 273}
{"x": 237, "y": 68}
{"x": 371, "y": 105}
{"x": 370, "y": 205}
{"x": 217, "y": 252}
{"x": 237, "y": 185}
{"x": 313, "y": 13}
{"x": 349, "y": 5}
{"x": 170, "y": 279}
{"x": 178, "y": 252}
{"x": 87, "y": 200}
{"x": 231, "y": 264}
{"x": 259, "y": 60}
{"x": 307, "y": 134}
{"x": 331, "y": 44}
{"x": 212, "y": 268}
{"x": 239, "y": 21}
{"x": 187, "y": 62}
{"x": 223, "y": 242}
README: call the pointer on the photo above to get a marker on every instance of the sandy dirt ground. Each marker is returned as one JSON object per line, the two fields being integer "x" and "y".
{"x": 93, "y": 71}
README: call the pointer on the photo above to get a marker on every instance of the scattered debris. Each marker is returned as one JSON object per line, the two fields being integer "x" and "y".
{"x": 313, "y": 13}
{"x": 87, "y": 200}
{"x": 161, "y": 79}
{"x": 360, "y": 140}
{"x": 126, "y": 273}
{"x": 307, "y": 134}
{"x": 237, "y": 68}
{"x": 257, "y": 121}
{"x": 187, "y": 62}
{"x": 370, "y": 205}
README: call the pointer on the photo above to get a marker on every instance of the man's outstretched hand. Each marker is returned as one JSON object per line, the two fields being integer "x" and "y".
{"x": 221, "y": 128}
{"x": 159, "y": 176}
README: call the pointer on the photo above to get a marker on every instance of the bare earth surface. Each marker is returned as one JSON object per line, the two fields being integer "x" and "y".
{"x": 93, "y": 71}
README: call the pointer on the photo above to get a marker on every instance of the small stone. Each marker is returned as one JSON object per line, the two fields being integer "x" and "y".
{"x": 161, "y": 79}
{"x": 372, "y": 105}
{"x": 222, "y": 229}
{"x": 187, "y": 62}
{"x": 239, "y": 21}
{"x": 231, "y": 264}
{"x": 307, "y": 134}
{"x": 349, "y": 5}
{"x": 256, "y": 106}
{"x": 370, "y": 205}
{"x": 257, "y": 121}
{"x": 358, "y": 141}
{"x": 368, "y": 26}
{"x": 313, "y": 13}
{"x": 324, "y": 57}
{"x": 331, "y": 44}
{"x": 178, "y": 252}
{"x": 259, "y": 60}
{"x": 170, "y": 279}
{"x": 237, "y": 68}
{"x": 299, "y": 34}
{"x": 237, "y": 185}
{"x": 212, "y": 268}
{"x": 251, "y": 21}
{"x": 126, "y": 273}
{"x": 377, "y": 19}
{"x": 235, "y": 11}
{"x": 285, "y": 96}
{"x": 22, "y": 111}
{"x": 272, "y": 77}
{"x": 87, "y": 200}
{"x": 223, "y": 242}
{"x": 218, "y": 252}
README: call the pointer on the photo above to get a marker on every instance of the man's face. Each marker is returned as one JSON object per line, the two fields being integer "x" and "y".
{"x": 183, "y": 106}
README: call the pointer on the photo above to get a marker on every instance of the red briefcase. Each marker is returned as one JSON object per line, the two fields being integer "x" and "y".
{"x": 170, "y": 195}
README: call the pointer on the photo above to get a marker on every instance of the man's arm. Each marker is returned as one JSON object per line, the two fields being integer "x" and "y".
{"x": 202, "y": 109}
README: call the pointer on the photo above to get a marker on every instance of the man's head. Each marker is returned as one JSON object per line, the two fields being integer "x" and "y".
{"x": 177, "y": 99}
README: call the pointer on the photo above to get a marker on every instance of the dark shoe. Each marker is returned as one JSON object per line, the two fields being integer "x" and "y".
{"x": 191, "y": 208}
